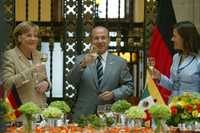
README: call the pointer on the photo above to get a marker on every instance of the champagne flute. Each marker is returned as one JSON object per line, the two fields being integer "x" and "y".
{"x": 150, "y": 62}
{"x": 44, "y": 58}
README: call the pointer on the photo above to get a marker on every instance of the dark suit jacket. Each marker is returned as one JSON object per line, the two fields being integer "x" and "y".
{"x": 116, "y": 78}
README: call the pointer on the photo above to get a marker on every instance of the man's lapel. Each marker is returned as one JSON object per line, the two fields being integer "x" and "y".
{"x": 93, "y": 71}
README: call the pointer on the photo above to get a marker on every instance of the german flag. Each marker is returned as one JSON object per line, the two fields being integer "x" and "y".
{"x": 161, "y": 47}
{"x": 13, "y": 100}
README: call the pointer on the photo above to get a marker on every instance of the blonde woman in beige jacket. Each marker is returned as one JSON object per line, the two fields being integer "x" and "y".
{"x": 22, "y": 65}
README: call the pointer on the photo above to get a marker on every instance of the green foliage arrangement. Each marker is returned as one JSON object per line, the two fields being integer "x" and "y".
{"x": 120, "y": 106}
{"x": 4, "y": 109}
{"x": 160, "y": 111}
{"x": 135, "y": 112}
{"x": 109, "y": 121}
{"x": 52, "y": 112}
{"x": 91, "y": 120}
{"x": 82, "y": 121}
{"x": 95, "y": 121}
{"x": 29, "y": 108}
{"x": 61, "y": 105}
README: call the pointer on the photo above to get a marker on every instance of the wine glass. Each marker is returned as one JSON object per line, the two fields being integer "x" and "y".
{"x": 150, "y": 62}
{"x": 107, "y": 110}
{"x": 44, "y": 58}
{"x": 100, "y": 111}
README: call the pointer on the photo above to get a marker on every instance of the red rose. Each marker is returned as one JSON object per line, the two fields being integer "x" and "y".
{"x": 198, "y": 107}
{"x": 174, "y": 110}
{"x": 189, "y": 108}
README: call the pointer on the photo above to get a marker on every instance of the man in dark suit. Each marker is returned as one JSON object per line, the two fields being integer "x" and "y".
{"x": 100, "y": 78}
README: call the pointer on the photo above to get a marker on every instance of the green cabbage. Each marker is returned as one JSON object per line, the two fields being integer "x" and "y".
{"x": 160, "y": 111}
{"x": 120, "y": 106}
{"x": 61, "y": 105}
{"x": 52, "y": 112}
{"x": 135, "y": 112}
{"x": 29, "y": 108}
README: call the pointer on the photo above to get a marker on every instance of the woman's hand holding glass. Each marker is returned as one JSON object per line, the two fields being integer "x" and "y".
{"x": 150, "y": 63}
{"x": 153, "y": 71}
{"x": 42, "y": 87}
{"x": 44, "y": 58}
{"x": 156, "y": 75}
{"x": 37, "y": 68}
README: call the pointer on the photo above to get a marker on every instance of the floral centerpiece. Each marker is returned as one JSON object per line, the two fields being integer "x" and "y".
{"x": 28, "y": 109}
{"x": 159, "y": 112}
{"x": 185, "y": 109}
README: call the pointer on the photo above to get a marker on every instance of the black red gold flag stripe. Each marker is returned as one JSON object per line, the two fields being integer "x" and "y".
{"x": 161, "y": 47}
{"x": 13, "y": 100}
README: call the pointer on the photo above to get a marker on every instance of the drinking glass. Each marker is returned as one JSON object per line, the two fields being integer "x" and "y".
{"x": 100, "y": 110}
{"x": 150, "y": 62}
{"x": 44, "y": 58}
{"x": 107, "y": 110}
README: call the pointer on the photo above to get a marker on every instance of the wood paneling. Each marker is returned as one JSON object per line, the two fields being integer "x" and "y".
{"x": 45, "y": 10}
{"x": 20, "y": 10}
{"x": 33, "y": 10}
{"x": 138, "y": 11}
{"x": 58, "y": 10}
{"x": 187, "y": 10}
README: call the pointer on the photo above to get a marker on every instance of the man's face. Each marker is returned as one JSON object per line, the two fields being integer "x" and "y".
{"x": 100, "y": 39}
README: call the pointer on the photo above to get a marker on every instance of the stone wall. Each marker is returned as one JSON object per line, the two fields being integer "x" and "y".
{"x": 188, "y": 10}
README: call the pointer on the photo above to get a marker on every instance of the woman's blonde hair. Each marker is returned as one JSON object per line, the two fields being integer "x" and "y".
{"x": 22, "y": 28}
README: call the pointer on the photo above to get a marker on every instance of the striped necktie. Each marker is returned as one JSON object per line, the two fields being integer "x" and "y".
{"x": 99, "y": 69}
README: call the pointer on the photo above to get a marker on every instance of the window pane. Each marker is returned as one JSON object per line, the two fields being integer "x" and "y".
{"x": 113, "y": 10}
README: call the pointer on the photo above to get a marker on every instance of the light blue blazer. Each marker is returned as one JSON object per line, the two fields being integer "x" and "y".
{"x": 116, "y": 78}
{"x": 184, "y": 77}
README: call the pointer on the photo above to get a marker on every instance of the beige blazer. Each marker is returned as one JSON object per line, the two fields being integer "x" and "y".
{"x": 18, "y": 70}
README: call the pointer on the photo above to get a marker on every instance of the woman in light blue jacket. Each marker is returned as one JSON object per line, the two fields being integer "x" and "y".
{"x": 185, "y": 69}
